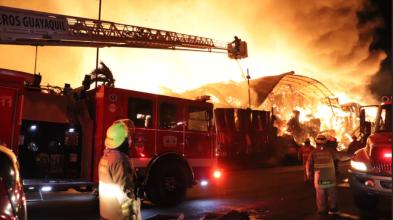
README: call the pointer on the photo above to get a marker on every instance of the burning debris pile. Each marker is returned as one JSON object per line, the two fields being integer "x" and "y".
{"x": 305, "y": 117}
{"x": 300, "y": 106}
{"x": 303, "y": 107}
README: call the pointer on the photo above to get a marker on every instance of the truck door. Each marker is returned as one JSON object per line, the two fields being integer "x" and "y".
{"x": 199, "y": 140}
{"x": 171, "y": 126}
{"x": 9, "y": 115}
{"x": 141, "y": 112}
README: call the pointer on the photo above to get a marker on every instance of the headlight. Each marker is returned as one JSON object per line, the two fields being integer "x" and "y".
{"x": 358, "y": 165}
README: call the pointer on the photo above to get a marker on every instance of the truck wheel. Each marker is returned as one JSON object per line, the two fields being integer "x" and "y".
{"x": 365, "y": 202}
{"x": 167, "y": 184}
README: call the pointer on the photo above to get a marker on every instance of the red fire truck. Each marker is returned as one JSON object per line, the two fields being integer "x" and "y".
{"x": 61, "y": 139}
{"x": 371, "y": 169}
{"x": 58, "y": 133}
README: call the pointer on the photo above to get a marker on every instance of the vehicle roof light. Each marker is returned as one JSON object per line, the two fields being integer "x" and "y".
{"x": 46, "y": 189}
{"x": 33, "y": 127}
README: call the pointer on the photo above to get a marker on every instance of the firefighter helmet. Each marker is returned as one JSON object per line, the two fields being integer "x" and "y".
{"x": 118, "y": 132}
{"x": 321, "y": 139}
{"x": 296, "y": 112}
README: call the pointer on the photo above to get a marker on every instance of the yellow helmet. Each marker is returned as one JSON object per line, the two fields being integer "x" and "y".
{"x": 118, "y": 132}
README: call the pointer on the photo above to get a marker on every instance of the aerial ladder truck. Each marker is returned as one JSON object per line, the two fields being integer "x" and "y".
{"x": 58, "y": 133}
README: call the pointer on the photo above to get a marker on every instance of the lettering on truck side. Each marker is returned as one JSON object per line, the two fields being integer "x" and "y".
{"x": 6, "y": 101}
{"x": 26, "y": 22}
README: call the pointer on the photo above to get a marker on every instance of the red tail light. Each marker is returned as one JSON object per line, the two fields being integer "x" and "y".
{"x": 386, "y": 154}
{"x": 382, "y": 154}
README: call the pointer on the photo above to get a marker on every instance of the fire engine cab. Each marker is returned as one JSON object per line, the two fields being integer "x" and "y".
{"x": 58, "y": 133}
{"x": 174, "y": 138}
{"x": 371, "y": 169}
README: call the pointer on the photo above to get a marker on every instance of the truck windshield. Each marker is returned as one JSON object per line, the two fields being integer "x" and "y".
{"x": 385, "y": 119}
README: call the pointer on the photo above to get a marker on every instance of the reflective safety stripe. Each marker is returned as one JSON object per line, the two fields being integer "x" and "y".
{"x": 131, "y": 207}
{"x": 325, "y": 182}
{"x": 111, "y": 190}
{"x": 323, "y": 165}
{"x": 126, "y": 208}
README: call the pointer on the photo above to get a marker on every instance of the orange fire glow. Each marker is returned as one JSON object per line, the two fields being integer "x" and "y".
{"x": 320, "y": 39}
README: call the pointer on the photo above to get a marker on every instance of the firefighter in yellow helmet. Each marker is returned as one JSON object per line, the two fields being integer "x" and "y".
{"x": 117, "y": 175}
{"x": 320, "y": 167}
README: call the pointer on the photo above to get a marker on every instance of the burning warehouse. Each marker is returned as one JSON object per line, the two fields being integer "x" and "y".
{"x": 275, "y": 100}
{"x": 318, "y": 108}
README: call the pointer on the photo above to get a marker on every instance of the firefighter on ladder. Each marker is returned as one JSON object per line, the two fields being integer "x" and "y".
{"x": 117, "y": 177}
{"x": 320, "y": 166}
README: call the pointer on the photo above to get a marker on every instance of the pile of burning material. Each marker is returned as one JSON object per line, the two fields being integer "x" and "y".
{"x": 336, "y": 121}
{"x": 284, "y": 96}
{"x": 303, "y": 107}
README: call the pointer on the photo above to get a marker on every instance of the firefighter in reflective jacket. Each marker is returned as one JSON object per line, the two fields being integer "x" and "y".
{"x": 117, "y": 175}
{"x": 320, "y": 165}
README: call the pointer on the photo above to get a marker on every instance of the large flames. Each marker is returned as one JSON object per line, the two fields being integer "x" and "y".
{"x": 315, "y": 115}
{"x": 320, "y": 39}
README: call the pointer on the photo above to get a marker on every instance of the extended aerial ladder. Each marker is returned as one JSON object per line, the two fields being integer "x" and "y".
{"x": 27, "y": 27}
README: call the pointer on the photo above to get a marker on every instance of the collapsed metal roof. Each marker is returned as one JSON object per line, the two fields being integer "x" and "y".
{"x": 289, "y": 82}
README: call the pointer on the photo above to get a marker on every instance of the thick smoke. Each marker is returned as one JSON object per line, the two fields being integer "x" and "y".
{"x": 381, "y": 83}
{"x": 327, "y": 41}
{"x": 324, "y": 40}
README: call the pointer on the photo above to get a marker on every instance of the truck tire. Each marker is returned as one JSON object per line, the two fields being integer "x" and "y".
{"x": 365, "y": 202}
{"x": 167, "y": 184}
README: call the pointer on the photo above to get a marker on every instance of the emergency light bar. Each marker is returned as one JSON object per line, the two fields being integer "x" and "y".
{"x": 386, "y": 98}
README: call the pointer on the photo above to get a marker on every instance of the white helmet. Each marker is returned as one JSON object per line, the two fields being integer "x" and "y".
{"x": 321, "y": 139}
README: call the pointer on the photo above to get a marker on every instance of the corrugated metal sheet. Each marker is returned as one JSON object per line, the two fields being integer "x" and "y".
{"x": 303, "y": 85}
